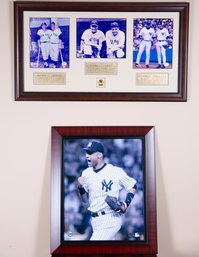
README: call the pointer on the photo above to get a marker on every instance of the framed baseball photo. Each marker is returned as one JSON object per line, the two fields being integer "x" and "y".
{"x": 92, "y": 51}
{"x": 103, "y": 189}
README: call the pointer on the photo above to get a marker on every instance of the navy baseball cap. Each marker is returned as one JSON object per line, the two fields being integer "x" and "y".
{"x": 114, "y": 25}
{"x": 94, "y": 146}
{"x": 94, "y": 23}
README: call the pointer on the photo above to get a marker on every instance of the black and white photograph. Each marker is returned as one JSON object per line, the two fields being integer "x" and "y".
{"x": 152, "y": 43}
{"x": 49, "y": 42}
{"x": 103, "y": 189}
{"x": 101, "y": 38}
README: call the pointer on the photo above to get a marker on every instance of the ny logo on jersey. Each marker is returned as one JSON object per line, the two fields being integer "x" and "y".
{"x": 107, "y": 186}
{"x": 114, "y": 42}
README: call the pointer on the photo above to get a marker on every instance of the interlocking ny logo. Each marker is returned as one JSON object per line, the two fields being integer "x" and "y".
{"x": 107, "y": 186}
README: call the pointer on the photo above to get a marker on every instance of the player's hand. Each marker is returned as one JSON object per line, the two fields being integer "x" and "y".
{"x": 81, "y": 181}
{"x": 123, "y": 207}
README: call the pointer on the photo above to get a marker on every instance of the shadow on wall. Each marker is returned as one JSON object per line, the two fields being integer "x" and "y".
{"x": 165, "y": 240}
{"x": 42, "y": 240}
{"x": 163, "y": 223}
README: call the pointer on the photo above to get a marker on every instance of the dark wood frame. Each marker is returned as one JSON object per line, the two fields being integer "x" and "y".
{"x": 148, "y": 248}
{"x": 181, "y": 7}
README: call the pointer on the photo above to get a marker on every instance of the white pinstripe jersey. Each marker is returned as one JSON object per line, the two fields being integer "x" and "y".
{"x": 117, "y": 40}
{"x": 147, "y": 34}
{"x": 107, "y": 181}
{"x": 93, "y": 38}
{"x": 54, "y": 37}
{"x": 162, "y": 34}
{"x": 44, "y": 35}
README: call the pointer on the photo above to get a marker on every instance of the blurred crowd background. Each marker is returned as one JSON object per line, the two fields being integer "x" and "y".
{"x": 125, "y": 153}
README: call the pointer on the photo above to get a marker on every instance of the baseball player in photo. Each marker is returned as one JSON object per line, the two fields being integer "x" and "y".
{"x": 100, "y": 184}
{"x": 91, "y": 41}
{"x": 55, "y": 43}
{"x": 43, "y": 40}
{"x": 162, "y": 34}
{"x": 115, "y": 41}
{"x": 147, "y": 33}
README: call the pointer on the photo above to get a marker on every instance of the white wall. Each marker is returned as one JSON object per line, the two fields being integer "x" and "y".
{"x": 25, "y": 155}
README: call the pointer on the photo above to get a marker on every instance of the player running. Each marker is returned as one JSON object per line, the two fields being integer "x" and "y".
{"x": 43, "y": 39}
{"x": 91, "y": 41}
{"x": 162, "y": 34}
{"x": 115, "y": 41}
{"x": 55, "y": 43}
{"x": 101, "y": 183}
{"x": 147, "y": 33}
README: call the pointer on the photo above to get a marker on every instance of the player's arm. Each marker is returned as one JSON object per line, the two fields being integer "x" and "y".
{"x": 37, "y": 39}
{"x": 101, "y": 40}
{"x": 39, "y": 43}
{"x": 60, "y": 43}
{"x": 167, "y": 35}
{"x": 81, "y": 45}
{"x": 129, "y": 197}
{"x": 130, "y": 186}
{"x": 82, "y": 42}
{"x": 154, "y": 41}
{"x": 60, "y": 38}
{"x": 108, "y": 41}
{"x": 140, "y": 34}
{"x": 82, "y": 190}
{"x": 85, "y": 38}
{"x": 122, "y": 40}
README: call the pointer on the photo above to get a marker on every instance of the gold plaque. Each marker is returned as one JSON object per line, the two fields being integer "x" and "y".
{"x": 98, "y": 68}
{"x": 49, "y": 78}
{"x": 143, "y": 79}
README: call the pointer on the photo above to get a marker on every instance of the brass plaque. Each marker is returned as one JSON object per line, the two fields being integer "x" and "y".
{"x": 99, "y": 68}
{"x": 152, "y": 79}
{"x": 49, "y": 78}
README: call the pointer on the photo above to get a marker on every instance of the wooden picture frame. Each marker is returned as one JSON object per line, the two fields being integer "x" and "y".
{"x": 68, "y": 75}
{"x": 69, "y": 141}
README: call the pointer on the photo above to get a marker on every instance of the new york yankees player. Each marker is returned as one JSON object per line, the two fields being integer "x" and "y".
{"x": 100, "y": 182}
{"x": 43, "y": 39}
{"x": 162, "y": 34}
{"x": 91, "y": 41}
{"x": 55, "y": 43}
{"x": 146, "y": 34}
{"x": 115, "y": 40}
